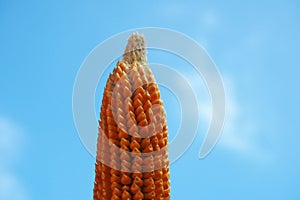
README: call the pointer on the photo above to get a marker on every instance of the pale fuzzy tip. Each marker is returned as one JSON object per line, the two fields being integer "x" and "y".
{"x": 136, "y": 49}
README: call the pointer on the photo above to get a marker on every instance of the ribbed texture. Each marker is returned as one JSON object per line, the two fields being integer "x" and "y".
{"x": 129, "y": 123}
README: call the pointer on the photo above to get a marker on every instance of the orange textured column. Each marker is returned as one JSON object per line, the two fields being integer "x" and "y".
{"x": 132, "y": 159}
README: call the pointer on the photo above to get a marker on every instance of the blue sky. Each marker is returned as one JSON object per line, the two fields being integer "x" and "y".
{"x": 254, "y": 44}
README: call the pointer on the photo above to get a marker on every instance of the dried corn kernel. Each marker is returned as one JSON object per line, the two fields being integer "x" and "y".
{"x": 132, "y": 129}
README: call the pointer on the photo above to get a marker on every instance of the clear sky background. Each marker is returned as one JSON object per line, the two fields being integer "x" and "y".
{"x": 255, "y": 45}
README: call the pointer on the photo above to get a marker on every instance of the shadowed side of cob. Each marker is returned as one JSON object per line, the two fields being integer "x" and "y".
{"x": 132, "y": 128}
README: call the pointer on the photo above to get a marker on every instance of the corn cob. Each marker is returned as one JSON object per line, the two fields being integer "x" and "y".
{"x": 132, "y": 160}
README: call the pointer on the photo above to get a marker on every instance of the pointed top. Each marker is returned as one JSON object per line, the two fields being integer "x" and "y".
{"x": 136, "y": 49}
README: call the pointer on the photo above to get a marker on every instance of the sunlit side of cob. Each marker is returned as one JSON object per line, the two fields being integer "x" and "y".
{"x": 128, "y": 123}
